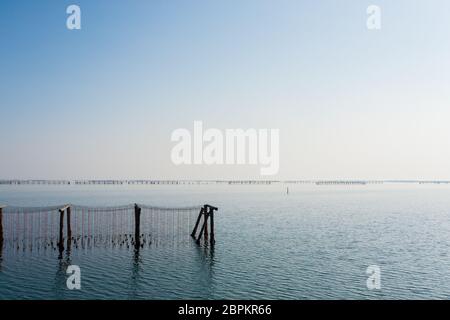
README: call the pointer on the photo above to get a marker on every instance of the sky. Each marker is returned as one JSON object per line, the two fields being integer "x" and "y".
{"x": 103, "y": 101}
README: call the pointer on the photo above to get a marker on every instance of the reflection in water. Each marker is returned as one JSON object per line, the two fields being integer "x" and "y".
{"x": 205, "y": 254}
{"x": 135, "y": 273}
{"x": 140, "y": 275}
{"x": 60, "y": 286}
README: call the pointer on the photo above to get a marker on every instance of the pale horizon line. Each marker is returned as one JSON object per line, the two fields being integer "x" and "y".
{"x": 223, "y": 180}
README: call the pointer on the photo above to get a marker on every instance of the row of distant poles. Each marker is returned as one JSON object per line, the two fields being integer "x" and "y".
{"x": 204, "y": 225}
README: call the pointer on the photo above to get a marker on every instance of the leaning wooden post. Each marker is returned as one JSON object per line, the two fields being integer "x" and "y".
{"x": 194, "y": 232}
{"x": 137, "y": 226}
{"x": 205, "y": 221}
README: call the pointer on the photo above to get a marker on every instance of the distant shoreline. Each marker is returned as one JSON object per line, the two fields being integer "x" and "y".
{"x": 200, "y": 182}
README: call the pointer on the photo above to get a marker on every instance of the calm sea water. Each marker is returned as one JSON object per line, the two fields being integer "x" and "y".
{"x": 314, "y": 243}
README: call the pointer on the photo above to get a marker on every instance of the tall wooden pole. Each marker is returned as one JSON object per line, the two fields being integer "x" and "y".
{"x": 61, "y": 230}
{"x": 69, "y": 229}
{"x": 205, "y": 231}
{"x": 211, "y": 221}
{"x": 137, "y": 226}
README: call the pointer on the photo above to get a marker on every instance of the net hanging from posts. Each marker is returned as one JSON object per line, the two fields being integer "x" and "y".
{"x": 31, "y": 228}
{"x": 38, "y": 228}
{"x": 101, "y": 226}
{"x": 161, "y": 225}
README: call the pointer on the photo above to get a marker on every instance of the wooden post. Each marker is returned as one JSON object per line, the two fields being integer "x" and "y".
{"x": 205, "y": 221}
{"x": 194, "y": 232}
{"x": 137, "y": 226}
{"x": 211, "y": 221}
{"x": 205, "y": 231}
{"x": 69, "y": 229}
{"x": 61, "y": 230}
{"x": 1, "y": 226}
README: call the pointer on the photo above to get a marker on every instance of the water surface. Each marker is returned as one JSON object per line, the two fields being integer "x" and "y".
{"x": 314, "y": 243}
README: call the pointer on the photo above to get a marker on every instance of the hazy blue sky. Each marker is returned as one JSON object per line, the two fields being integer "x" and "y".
{"x": 102, "y": 102}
